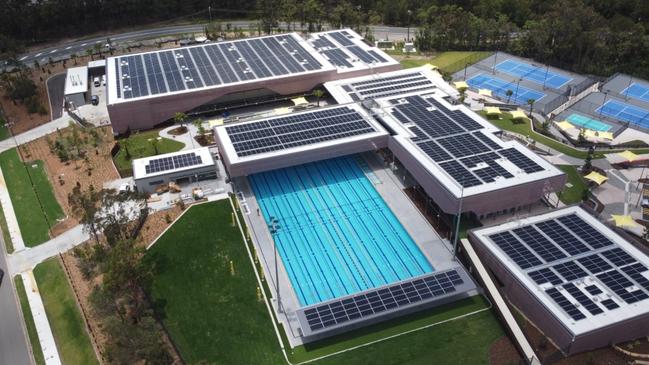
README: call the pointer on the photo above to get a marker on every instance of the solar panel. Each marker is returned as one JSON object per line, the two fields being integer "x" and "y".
{"x": 635, "y": 272}
{"x": 541, "y": 245}
{"x": 462, "y": 145}
{"x": 172, "y": 163}
{"x": 417, "y": 291}
{"x": 297, "y": 130}
{"x": 570, "y": 271}
{"x": 565, "y": 304}
{"x": 522, "y": 256}
{"x": 341, "y": 39}
{"x": 523, "y": 162}
{"x": 460, "y": 174}
{"x": 621, "y": 286}
{"x": 590, "y": 306}
{"x": 618, "y": 256}
{"x": 610, "y": 304}
{"x": 585, "y": 231}
{"x": 562, "y": 237}
{"x": 593, "y": 290}
{"x": 434, "y": 151}
{"x": 594, "y": 263}
{"x": 545, "y": 275}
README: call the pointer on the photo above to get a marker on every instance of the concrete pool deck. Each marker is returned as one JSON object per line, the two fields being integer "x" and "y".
{"x": 437, "y": 250}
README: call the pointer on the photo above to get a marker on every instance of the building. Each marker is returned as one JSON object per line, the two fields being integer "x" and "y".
{"x": 76, "y": 86}
{"x": 579, "y": 282}
{"x": 148, "y": 88}
{"x": 178, "y": 167}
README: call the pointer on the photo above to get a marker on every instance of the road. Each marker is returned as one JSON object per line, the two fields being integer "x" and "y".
{"x": 13, "y": 340}
{"x": 79, "y": 47}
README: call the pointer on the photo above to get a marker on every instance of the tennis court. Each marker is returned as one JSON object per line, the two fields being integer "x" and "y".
{"x": 499, "y": 87}
{"x": 637, "y": 91}
{"x": 588, "y": 123}
{"x": 625, "y": 112}
{"x": 540, "y": 75}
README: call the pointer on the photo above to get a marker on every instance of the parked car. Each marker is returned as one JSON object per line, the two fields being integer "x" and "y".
{"x": 103, "y": 80}
{"x": 94, "y": 100}
{"x": 2, "y": 275}
{"x": 96, "y": 81}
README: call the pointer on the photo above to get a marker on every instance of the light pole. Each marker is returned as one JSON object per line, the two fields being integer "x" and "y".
{"x": 273, "y": 231}
{"x": 547, "y": 69}
{"x": 408, "y": 36}
{"x": 517, "y": 85}
{"x": 601, "y": 108}
{"x": 457, "y": 218}
{"x": 209, "y": 10}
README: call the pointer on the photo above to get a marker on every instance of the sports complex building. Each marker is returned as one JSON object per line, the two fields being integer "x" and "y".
{"x": 148, "y": 88}
{"x": 579, "y": 282}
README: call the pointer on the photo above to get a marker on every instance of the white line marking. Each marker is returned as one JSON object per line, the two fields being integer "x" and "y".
{"x": 83, "y": 44}
{"x": 68, "y": 47}
{"x": 38, "y": 54}
{"x": 22, "y": 58}
{"x": 54, "y": 50}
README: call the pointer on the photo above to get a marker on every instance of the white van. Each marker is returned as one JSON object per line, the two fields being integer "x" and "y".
{"x": 103, "y": 80}
{"x": 96, "y": 81}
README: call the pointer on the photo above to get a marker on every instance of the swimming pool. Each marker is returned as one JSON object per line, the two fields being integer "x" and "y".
{"x": 335, "y": 234}
{"x": 499, "y": 87}
{"x": 588, "y": 123}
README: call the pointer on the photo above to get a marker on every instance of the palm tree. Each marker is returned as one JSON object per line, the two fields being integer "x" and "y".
{"x": 509, "y": 94}
{"x": 199, "y": 125}
{"x": 90, "y": 52}
{"x": 318, "y": 94}
{"x": 125, "y": 144}
{"x": 74, "y": 58}
{"x": 462, "y": 91}
{"x": 531, "y": 102}
{"x": 154, "y": 143}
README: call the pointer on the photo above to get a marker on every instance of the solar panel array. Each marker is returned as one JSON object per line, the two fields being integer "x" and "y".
{"x": 297, "y": 130}
{"x": 211, "y": 65}
{"x": 456, "y": 141}
{"x": 341, "y": 50}
{"x": 577, "y": 266}
{"x": 417, "y": 291}
{"x": 172, "y": 163}
{"x": 385, "y": 86}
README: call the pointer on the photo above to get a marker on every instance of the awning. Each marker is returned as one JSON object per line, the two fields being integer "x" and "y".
{"x": 628, "y": 155}
{"x": 606, "y": 135}
{"x": 624, "y": 221}
{"x": 565, "y": 125}
{"x": 461, "y": 85}
{"x": 492, "y": 110}
{"x": 299, "y": 101}
{"x": 485, "y": 92}
{"x": 280, "y": 111}
{"x": 596, "y": 177}
{"x": 215, "y": 122}
{"x": 518, "y": 114}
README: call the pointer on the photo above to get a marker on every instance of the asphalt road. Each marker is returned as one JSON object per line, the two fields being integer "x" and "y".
{"x": 80, "y": 47}
{"x": 55, "y": 91}
{"x": 13, "y": 340}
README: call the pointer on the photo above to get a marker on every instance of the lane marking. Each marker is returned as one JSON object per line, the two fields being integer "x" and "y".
{"x": 38, "y": 54}
{"x": 22, "y": 58}
{"x": 83, "y": 44}
{"x": 54, "y": 50}
{"x": 68, "y": 47}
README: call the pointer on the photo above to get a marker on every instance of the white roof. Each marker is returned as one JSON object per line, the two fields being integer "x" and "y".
{"x": 229, "y": 150}
{"x": 139, "y": 164}
{"x": 76, "y": 80}
{"x": 323, "y": 42}
{"x": 591, "y": 322}
{"x": 97, "y": 63}
{"x": 384, "y": 84}
{"x": 404, "y": 135}
{"x": 115, "y": 74}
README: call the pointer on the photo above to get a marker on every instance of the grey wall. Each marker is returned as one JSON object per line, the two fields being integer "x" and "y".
{"x": 145, "y": 184}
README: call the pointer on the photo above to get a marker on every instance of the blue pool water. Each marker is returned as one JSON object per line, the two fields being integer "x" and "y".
{"x": 637, "y": 91}
{"x": 588, "y": 123}
{"x": 499, "y": 87}
{"x": 625, "y": 113}
{"x": 336, "y": 236}
{"x": 539, "y": 75}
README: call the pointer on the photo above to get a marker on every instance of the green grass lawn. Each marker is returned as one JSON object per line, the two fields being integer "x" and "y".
{"x": 29, "y": 321}
{"x": 450, "y": 62}
{"x": 67, "y": 325}
{"x": 213, "y": 316}
{"x": 140, "y": 146}
{"x": 572, "y": 195}
{"x": 25, "y": 198}
{"x": 4, "y": 131}
{"x": 524, "y": 129}
{"x": 6, "y": 237}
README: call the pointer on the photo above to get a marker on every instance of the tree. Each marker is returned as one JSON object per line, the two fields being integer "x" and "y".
{"x": 200, "y": 128}
{"x": 91, "y": 53}
{"x": 19, "y": 87}
{"x": 268, "y": 14}
{"x": 126, "y": 144}
{"x": 462, "y": 92}
{"x": 154, "y": 143}
{"x": 318, "y": 94}
{"x": 531, "y": 102}
{"x": 84, "y": 206}
{"x": 509, "y": 94}
{"x": 180, "y": 118}
{"x": 588, "y": 162}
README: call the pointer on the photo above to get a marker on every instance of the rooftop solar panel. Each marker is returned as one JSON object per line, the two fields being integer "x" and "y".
{"x": 173, "y": 163}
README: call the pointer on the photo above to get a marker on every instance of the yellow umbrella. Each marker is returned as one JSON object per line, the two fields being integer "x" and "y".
{"x": 280, "y": 111}
{"x": 299, "y": 101}
{"x": 461, "y": 85}
{"x": 596, "y": 177}
{"x": 518, "y": 114}
{"x": 624, "y": 221}
{"x": 492, "y": 110}
{"x": 590, "y": 133}
{"x": 215, "y": 122}
{"x": 485, "y": 92}
{"x": 430, "y": 67}
{"x": 606, "y": 135}
{"x": 565, "y": 125}
{"x": 628, "y": 155}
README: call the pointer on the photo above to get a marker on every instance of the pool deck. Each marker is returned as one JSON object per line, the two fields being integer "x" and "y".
{"x": 437, "y": 250}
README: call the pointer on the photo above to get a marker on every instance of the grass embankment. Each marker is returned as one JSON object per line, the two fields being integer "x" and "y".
{"x": 573, "y": 194}
{"x": 450, "y": 62}
{"x": 524, "y": 128}
{"x": 72, "y": 340}
{"x": 29, "y": 321}
{"x": 6, "y": 237}
{"x": 35, "y": 205}
{"x": 140, "y": 145}
{"x": 215, "y": 316}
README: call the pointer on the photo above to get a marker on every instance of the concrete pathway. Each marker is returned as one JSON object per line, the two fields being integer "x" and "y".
{"x": 10, "y": 216}
{"x": 30, "y": 257}
{"x": 186, "y": 138}
{"x": 35, "y": 133}
{"x": 43, "y": 330}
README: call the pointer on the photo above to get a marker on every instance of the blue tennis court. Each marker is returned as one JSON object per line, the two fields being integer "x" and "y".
{"x": 540, "y": 75}
{"x": 625, "y": 112}
{"x": 335, "y": 234}
{"x": 637, "y": 91}
{"x": 588, "y": 123}
{"x": 499, "y": 87}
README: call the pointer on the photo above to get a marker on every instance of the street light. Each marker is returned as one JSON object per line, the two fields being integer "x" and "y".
{"x": 517, "y": 85}
{"x": 457, "y": 218}
{"x": 601, "y": 108}
{"x": 408, "y": 36}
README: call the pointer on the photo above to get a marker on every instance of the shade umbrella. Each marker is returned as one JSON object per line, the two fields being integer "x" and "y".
{"x": 596, "y": 177}
{"x": 624, "y": 221}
